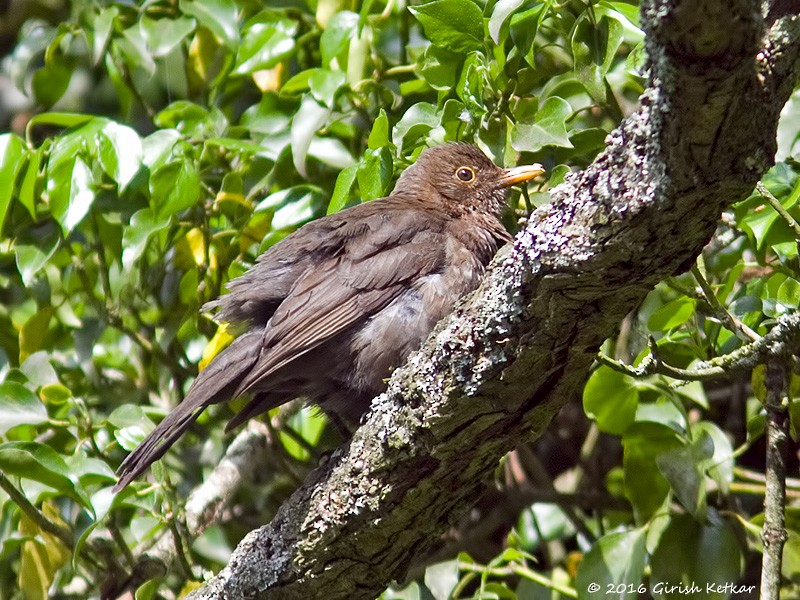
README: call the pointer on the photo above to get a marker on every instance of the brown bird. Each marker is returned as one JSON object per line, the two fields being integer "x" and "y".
{"x": 333, "y": 308}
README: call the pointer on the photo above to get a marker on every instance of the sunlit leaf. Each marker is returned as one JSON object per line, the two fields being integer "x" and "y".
{"x": 174, "y": 187}
{"x": 547, "y": 129}
{"x": 305, "y": 124}
{"x": 120, "y": 152}
{"x": 19, "y": 406}
{"x": 12, "y": 154}
{"x": 220, "y": 16}
{"x": 267, "y": 41}
{"x": 456, "y": 25}
{"x": 38, "y": 462}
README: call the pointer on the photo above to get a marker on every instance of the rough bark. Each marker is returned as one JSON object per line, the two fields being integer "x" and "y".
{"x": 496, "y": 371}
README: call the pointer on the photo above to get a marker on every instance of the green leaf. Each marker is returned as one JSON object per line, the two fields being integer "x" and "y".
{"x": 38, "y": 369}
{"x": 164, "y": 35}
{"x": 38, "y": 462}
{"x": 33, "y": 332}
{"x": 701, "y": 553}
{"x": 342, "y": 28}
{"x": 158, "y": 147}
{"x": 789, "y": 293}
{"x": 645, "y": 486}
{"x": 621, "y": 11}
{"x": 34, "y": 249}
{"x": 101, "y": 31}
{"x": 442, "y": 578}
{"x": 594, "y": 46}
{"x": 299, "y": 83}
{"x": 298, "y": 205}
{"x": 293, "y": 206}
{"x": 616, "y": 561}
{"x": 120, "y": 152}
{"x": 308, "y": 424}
{"x": 131, "y": 46}
{"x": 34, "y": 39}
{"x": 19, "y": 406}
{"x": 55, "y": 393}
{"x": 440, "y": 67}
{"x": 144, "y": 223}
{"x": 192, "y": 120}
{"x": 267, "y": 41}
{"x": 416, "y": 122}
{"x": 341, "y": 191}
{"x": 548, "y": 128}
{"x": 682, "y": 468}
{"x": 43, "y": 554}
{"x": 673, "y": 314}
{"x": 379, "y": 136}
{"x": 220, "y": 16}
{"x": 693, "y": 391}
{"x": 324, "y": 84}
{"x": 235, "y": 145}
{"x": 12, "y": 159}
{"x": 472, "y": 83}
{"x": 720, "y": 464}
{"x": 174, "y": 187}
{"x": 51, "y": 81}
{"x": 375, "y": 173}
{"x": 309, "y": 119}
{"x": 456, "y": 25}
{"x": 32, "y": 182}
{"x": 611, "y": 399}
{"x": 69, "y": 204}
{"x": 132, "y": 425}
{"x": 502, "y": 10}
{"x": 757, "y": 217}
{"x": 524, "y": 26}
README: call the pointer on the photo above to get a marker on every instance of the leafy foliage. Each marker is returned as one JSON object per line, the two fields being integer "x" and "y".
{"x": 169, "y": 143}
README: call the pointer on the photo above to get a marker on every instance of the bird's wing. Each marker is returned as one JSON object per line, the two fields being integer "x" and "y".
{"x": 341, "y": 293}
{"x": 254, "y": 296}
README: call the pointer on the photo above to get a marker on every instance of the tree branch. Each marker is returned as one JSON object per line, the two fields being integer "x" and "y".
{"x": 495, "y": 372}
{"x": 773, "y": 533}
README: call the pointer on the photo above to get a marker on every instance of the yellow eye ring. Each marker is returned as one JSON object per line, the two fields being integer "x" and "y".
{"x": 465, "y": 174}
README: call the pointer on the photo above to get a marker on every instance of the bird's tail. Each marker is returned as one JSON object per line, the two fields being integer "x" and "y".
{"x": 214, "y": 384}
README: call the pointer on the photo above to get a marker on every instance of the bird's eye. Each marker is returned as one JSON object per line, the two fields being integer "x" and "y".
{"x": 465, "y": 174}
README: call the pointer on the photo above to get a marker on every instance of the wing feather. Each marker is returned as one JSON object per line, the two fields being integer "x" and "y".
{"x": 336, "y": 297}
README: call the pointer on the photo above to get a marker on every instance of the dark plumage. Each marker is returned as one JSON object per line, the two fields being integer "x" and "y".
{"x": 334, "y": 307}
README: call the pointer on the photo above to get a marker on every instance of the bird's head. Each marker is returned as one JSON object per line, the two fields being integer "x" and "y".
{"x": 461, "y": 173}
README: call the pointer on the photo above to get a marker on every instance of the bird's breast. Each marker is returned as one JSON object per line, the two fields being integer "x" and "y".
{"x": 392, "y": 333}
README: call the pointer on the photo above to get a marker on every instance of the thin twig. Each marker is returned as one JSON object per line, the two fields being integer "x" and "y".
{"x": 750, "y": 475}
{"x": 521, "y": 571}
{"x": 34, "y": 514}
{"x": 782, "y": 342}
{"x": 776, "y": 204}
{"x": 741, "y": 330}
{"x": 773, "y": 533}
{"x": 755, "y": 489}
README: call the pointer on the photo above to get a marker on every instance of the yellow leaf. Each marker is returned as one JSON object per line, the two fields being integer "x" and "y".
{"x": 268, "y": 80}
{"x": 202, "y": 63}
{"x": 42, "y": 557}
{"x": 197, "y": 243}
{"x": 231, "y": 197}
{"x": 218, "y": 343}
{"x": 32, "y": 334}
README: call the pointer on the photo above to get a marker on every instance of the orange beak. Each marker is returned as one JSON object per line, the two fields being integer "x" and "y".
{"x": 520, "y": 174}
